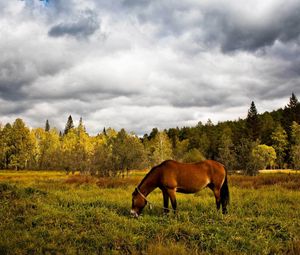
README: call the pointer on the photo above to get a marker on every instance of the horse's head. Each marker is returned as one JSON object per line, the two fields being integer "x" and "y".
{"x": 138, "y": 203}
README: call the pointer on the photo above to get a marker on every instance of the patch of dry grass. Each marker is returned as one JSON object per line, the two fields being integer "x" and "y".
{"x": 118, "y": 182}
{"x": 81, "y": 179}
{"x": 103, "y": 182}
{"x": 288, "y": 181}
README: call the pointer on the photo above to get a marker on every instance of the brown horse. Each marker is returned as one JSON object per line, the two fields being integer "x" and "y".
{"x": 171, "y": 177}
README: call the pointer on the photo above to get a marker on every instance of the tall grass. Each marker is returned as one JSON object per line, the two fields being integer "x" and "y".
{"x": 85, "y": 215}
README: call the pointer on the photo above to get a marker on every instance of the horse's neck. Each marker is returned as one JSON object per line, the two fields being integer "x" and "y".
{"x": 149, "y": 184}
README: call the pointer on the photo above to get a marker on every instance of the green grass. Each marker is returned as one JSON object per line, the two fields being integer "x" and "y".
{"x": 51, "y": 213}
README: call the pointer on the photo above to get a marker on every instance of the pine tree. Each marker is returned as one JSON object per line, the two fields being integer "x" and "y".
{"x": 69, "y": 125}
{"x": 47, "y": 126}
{"x": 253, "y": 123}
{"x": 81, "y": 127}
{"x": 293, "y": 102}
{"x": 293, "y": 111}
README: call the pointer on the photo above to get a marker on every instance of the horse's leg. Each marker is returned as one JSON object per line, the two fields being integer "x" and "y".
{"x": 171, "y": 193}
{"x": 217, "y": 193}
{"x": 166, "y": 200}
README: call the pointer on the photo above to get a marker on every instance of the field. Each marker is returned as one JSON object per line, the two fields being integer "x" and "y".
{"x": 52, "y": 213}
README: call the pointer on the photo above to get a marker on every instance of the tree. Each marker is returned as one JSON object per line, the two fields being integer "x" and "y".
{"x": 69, "y": 125}
{"x": 253, "y": 123}
{"x": 68, "y": 150}
{"x": 180, "y": 149}
{"x": 153, "y": 133}
{"x": 102, "y": 162}
{"x": 83, "y": 149}
{"x": 51, "y": 149}
{"x": 159, "y": 148}
{"x": 244, "y": 156}
{"x": 293, "y": 103}
{"x": 267, "y": 127}
{"x": 291, "y": 113}
{"x": 200, "y": 138}
{"x": 81, "y": 127}
{"x": 77, "y": 148}
{"x": 264, "y": 156}
{"x": 193, "y": 156}
{"x": 21, "y": 145}
{"x": 173, "y": 135}
{"x": 295, "y": 148}
{"x": 47, "y": 126}
{"x": 280, "y": 143}
{"x": 3, "y": 148}
{"x": 226, "y": 153}
{"x": 127, "y": 152}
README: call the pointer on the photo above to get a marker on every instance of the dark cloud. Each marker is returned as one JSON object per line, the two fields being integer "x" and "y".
{"x": 13, "y": 78}
{"x": 10, "y": 108}
{"x": 223, "y": 25}
{"x": 136, "y": 3}
{"x": 234, "y": 32}
{"x": 83, "y": 27}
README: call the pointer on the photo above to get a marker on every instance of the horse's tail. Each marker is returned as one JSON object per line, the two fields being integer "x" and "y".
{"x": 225, "y": 193}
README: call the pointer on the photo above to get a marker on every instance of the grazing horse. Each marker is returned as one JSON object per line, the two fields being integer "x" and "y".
{"x": 172, "y": 176}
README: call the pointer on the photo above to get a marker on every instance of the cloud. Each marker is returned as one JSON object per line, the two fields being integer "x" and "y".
{"x": 144, "y": 64}
{"x": 236, "y": 29}
{"x": 83, "y": 27}
{"x": 229, "y": 25}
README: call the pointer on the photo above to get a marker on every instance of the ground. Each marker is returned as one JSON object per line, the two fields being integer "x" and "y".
{"x": 52, "y": 213}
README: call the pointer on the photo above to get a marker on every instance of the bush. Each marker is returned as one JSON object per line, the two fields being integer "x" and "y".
{"x": 193, "y": 156}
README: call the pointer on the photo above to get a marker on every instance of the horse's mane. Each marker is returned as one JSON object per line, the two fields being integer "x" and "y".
{"x": 149, "y": 173}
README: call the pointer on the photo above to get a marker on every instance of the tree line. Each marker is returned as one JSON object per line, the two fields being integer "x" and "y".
{"x": 268, "y": 140}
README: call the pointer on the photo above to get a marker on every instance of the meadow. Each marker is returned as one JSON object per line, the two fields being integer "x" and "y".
{"x": 53, "y": 213}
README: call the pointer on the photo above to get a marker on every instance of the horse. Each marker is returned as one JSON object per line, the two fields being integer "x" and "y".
{"x": 172, "y": 176}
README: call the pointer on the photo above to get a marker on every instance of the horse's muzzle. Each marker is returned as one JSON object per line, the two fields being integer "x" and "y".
{"x": 134, "y": 213}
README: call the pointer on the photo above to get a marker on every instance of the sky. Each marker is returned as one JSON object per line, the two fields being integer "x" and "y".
{"x": 139, "y": 64}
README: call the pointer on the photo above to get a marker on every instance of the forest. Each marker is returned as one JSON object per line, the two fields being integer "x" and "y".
{"x": 261, "y": 141}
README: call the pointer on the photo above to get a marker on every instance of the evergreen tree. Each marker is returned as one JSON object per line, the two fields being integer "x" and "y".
{"x": 293, "y": 102}
{"x": 47, "y": 126}
{"x": 81, "y": 127}
{"x": 291, "y": 113}
{"x": 69, "y": 125}
{"x": 253, "y": 123}
{"x": 153, "y": 133}
{"x": 267, "y": 127}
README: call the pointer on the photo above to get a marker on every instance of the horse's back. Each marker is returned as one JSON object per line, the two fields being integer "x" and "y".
{"x": 190, "y": 177}
{"x": 204, "y": 167}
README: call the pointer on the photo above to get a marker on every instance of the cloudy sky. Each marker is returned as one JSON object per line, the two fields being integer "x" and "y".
{"x": 139, "y": 64}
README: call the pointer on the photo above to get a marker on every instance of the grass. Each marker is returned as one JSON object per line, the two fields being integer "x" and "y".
{"x": 52, "y": 213}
